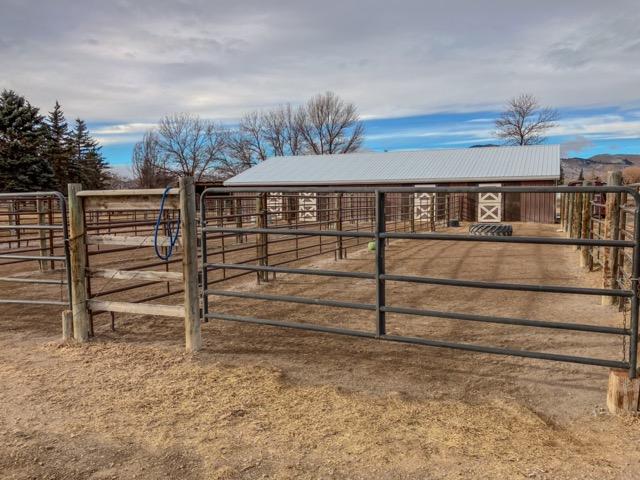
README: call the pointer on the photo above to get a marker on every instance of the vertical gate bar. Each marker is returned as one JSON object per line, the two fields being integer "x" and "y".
{"x": 51, "y": 234}
{"x": 380, "y": 257}
{"x": 203, "y": 248}
{"x": 633, "y": 342}
{"x": 65, "y": 244}
{"x": 339, "y": 223}
{"x": 42, "y": 234}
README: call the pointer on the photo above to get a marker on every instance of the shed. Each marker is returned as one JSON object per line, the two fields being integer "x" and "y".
{"x": 534, "y": 165}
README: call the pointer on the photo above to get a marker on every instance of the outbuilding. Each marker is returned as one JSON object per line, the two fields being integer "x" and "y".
{"x": 536, "y": 165}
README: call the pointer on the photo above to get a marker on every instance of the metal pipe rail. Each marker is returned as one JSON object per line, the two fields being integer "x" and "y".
{"x": 380, "y": 235}
{"x": 17, "y": 255}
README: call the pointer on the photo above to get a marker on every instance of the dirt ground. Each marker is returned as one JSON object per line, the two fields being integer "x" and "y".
{"x": 262, "y": 402}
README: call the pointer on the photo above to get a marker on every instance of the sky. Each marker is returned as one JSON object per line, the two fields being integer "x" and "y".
{"x": 424, "y": 73}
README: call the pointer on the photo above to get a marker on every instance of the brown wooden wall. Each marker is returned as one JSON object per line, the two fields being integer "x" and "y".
{"x": 529, "y": 207}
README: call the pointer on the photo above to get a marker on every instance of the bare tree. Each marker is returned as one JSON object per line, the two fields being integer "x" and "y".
{"x": 524, "y": 122}
{"x": 281, "y": 131}
{"x": 148, "y": 163}
{"x": 252, "y": 128}
{"x": 239, "y": 155}
{"x": 192, "y": 146}
{"x": 329, "y": 125}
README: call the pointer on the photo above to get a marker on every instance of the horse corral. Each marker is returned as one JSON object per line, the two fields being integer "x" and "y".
{"x": 302, "y": 259}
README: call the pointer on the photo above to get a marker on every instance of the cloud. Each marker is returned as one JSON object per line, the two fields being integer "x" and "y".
{"x": 575, "y": 145}
{"x": 134, "y": 61}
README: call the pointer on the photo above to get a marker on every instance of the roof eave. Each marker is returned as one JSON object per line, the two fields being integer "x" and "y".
{"x": 393, "y": 182}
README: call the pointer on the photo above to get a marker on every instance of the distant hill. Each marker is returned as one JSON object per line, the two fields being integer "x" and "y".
{"x": 598, "y": 165}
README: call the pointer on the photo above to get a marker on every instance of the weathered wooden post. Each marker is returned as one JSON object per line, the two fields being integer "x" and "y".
{"x": 193, "y": 338}
{"x": 78, "y": 258}
{"x": 623, "y": 393}
{"x": 67, "y": 325}
{"x": 585, "y": 251}
{"x": 611, "y": 232}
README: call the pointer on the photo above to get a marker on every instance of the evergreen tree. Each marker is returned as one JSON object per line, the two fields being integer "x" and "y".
{"x": 86, "y": 155}
{"x": 23, "y": 166}
{"x": 59, "y": 153}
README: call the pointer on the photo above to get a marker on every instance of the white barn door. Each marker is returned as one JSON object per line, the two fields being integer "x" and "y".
{"x": 490, "y": 205}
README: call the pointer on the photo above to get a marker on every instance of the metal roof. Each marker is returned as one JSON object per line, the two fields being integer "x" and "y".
{"x": 537, "y": 162}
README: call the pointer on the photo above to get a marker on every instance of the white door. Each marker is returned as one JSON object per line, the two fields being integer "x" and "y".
{"x": 490, "y": 205}
{"x": 423, "y": 204}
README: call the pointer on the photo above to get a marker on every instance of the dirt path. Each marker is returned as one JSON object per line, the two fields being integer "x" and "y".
{"x": 260, "y": 402}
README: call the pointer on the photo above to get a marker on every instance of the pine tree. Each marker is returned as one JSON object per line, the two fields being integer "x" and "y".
{"x": 23, "y": 166}
{"x": 86, "y": 155}
{"x": 59, "y": 153}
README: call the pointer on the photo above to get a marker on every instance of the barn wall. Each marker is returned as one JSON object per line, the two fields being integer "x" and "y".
{"x": 530, "y": 207}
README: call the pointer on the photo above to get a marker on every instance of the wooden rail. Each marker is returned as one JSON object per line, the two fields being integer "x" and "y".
{"x": 85, "y": 304}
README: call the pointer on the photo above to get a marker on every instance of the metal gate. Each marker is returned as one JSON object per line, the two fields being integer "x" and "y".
{"x": 226, "y": 225}
{"x": 34, "y": 247}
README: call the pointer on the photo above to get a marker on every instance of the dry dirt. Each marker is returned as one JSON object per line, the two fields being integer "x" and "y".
{"x": 262, "y": 402}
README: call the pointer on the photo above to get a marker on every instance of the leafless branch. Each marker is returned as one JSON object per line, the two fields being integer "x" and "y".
{"x": 524, "y": 122}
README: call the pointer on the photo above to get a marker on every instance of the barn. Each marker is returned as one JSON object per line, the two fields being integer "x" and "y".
{"x": 533, "y": 165}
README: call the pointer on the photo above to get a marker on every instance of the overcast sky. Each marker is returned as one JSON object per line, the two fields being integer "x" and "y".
{"x": 121, "y": 65}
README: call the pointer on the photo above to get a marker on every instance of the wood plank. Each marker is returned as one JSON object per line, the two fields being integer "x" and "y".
{"x": 135, "y": 275}
{"x": 78, "y": 258}
{"x": 191, "y": 312}
{"x": 130, "y": 202}
{"x": 67, "y": 325}
{"x": 127, "y": 241}
{"x": 137, "y": 308}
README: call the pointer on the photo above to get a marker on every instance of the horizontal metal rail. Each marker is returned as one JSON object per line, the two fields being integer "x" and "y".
{"x": 293, "y": 299}
{"x": 32, "y": 280}
{"x": 301, "y": 271}
{"x": 508, "y": 286}
{"x": 380, "y": 232}
{"x": 14, "y": 301}
{"x": 422, "y": 341}
{"x": 292, "y": 231}
{"x": 578, "y": 327}
{"x": 299, "y": 326}
{"x": 58, "y": 232}
{"x": 32, "y": 257}
{"x": 498, "y": 239}
{"x": 30, "y": 227}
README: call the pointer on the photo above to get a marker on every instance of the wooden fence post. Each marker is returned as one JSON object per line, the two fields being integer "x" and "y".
{"x": 585, "y": 251}
{"x": 67, "y": 325}
{"x": 193, "y": 338}
{"x": 611, "y": 232}
{"x": 78, "y": 257}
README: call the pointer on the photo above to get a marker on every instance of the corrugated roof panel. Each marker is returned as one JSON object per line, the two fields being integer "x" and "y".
{"x": 435, "y": 166}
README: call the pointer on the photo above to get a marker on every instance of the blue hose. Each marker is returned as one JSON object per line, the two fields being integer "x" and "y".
{"x": 173, "y": 238}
